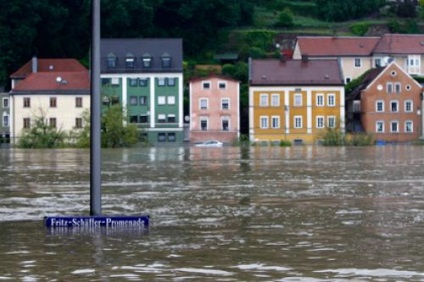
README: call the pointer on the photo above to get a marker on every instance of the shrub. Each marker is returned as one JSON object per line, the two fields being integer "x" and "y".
{"x": 360, "y": 139}
{"x": 285, "y": 143}
{"x": 285, "y": 18}
{"x": 359, "y": 29}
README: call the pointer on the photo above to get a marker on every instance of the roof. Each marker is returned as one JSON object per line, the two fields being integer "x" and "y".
{"x": 295, "y": 72}
{"x": 54, "y": 82}
{"x": 337, "y": 46}
{"x": 400, "y": 44}
{"x": 138, "y": 48}
{"x": 49, "y": 65}
{"x": 367, "y": 78}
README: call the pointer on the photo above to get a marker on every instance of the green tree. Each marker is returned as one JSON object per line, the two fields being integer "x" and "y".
{"x": 342, "y": 10}
{"x": 285, "y": 18}
{"x": 42, "y": 135}
{"x": 116, "y": 131}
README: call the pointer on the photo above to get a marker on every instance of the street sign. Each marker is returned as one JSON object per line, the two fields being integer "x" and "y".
{"x": 97, "y": 221}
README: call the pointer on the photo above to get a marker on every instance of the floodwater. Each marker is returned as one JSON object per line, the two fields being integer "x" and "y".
{"x": 305, "y": 213}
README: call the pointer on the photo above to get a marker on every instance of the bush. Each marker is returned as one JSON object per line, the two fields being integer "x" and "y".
{"x": 285, "y": 19}
{"x": 285, "y": 143}
{"x": 333, "y": 137}
{"x": 360, "y": 139}
{"x": 359, "y": 29}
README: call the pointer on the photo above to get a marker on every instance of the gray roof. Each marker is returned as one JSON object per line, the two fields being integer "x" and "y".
{"x": 138, "y": 48}
{"x": 295, "y": 72}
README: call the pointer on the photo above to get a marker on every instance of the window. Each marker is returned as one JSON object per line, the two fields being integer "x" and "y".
{"x": 408, "y": 106}
{"x": 5, "y": 102}
{"x": 144, "y": 118}
{"x": 377, "y": 62}
{"x": 161, "y": 118}
{"x": 394, "y": 126}
{"x": 298, "y": 99}
{"x": 298, "y": 122}
{"x": 147, "y": 61}
{"x": 379, "y": 126}
{"x": 27, "y": 102}
{"x": 111, "y": 61}
{"x": 78, "y": 102}
{"x": 52, "y": 122}
{"x": 133, "y": 82}
{"x": 222, "y": 85}
{"x": 206, "y": 85}
{"x": 331, "y": 121}
{"x": 129, "y": 61}
{"x": 398, "y": 87}
{"x": 358, "y": 62}
{"x": 78, "y": 122}
{"x": 263, "y": 100}
{"x": 203, "y": 104}
{"x": 320, "y": 100}
{"x": 171, "y": 118}
{"x": 27, "y": 123}
{"x": 394, "y": 106}
{"x": 225, "y": 103}
{"x": 142, "y": 100}
{"x": 331, "y": 100}
{"x": 166, "y": 60}
{"x": 114, "y": 81}
{"x": 161, "y": 100}
{"x": 203, "y": 123}
{"x": 409, "y": 128}
{"x": 320, "y": 122}
{"x": 275, "y": 100}
{"x": 171, "y": 137}
{"x": 389, "y": 87}
{"x": 142, "y": 82}
{"x": 133, "y": 100}
{"x": 161, "y": 81}
{"x": 133, "y": 119}
{"x": 263, "y": 122}
{"x": 171, "y": 100}
{"x": 379, "y": 106}
{"x": 161, "y": 137}
{"x": 356, "y": 106}
{"x": 170, "y": 81}
{"x": 275, "y": 122}
{"x": 348, "y": 79}
{"x": 5, "y": 120}
{"x": 225, "y": 121}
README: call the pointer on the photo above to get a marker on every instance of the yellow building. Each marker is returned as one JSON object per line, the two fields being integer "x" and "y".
{"x": 294, "y": 100}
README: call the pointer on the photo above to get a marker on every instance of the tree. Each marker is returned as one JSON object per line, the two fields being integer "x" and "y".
{"x": 116, "y": 131}
{"x": 342, "y": 10}
{"x": 285, "y": 18}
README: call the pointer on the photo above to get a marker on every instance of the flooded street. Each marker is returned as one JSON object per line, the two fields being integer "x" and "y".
{"x": 304, "y": 213}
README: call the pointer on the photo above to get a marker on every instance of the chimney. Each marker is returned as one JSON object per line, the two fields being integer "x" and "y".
{"x": 34, "y": 64}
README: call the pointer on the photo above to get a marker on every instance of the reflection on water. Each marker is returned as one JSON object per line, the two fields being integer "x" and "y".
{"x": 227, "y": 214}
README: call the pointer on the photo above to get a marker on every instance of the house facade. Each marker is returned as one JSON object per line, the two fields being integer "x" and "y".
{"x": 57, "y": 90}
{"x": 391, "y": 106}
{"x": 5, "y": 117}
{"x": 145, "y": 76}
{"x": 357, "y": 55}
{"x": 295, "y": 100}
{"x": 214, "y": 109}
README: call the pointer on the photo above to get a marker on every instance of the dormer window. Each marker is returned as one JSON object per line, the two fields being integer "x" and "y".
{"x": 129, "y": 61}
{"x": 147, "y": 61}
{"x": 166, "y": 60}
{"x": 111, "y": 61}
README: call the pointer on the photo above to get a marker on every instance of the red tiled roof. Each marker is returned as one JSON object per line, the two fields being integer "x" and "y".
{"x": 337, "y": 46}
{"x": 295, "y": 72}
{"x": 57, "y": 81}
{"x": 400, "y": 44}
{"x": 49, "y": 65}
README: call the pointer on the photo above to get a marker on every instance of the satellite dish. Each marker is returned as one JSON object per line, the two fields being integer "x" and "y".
{"x": 58, "y": 79}
{"x": 387, "y": 60}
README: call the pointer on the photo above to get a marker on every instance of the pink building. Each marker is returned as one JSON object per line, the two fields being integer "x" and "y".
{"x": 214, "y": 109}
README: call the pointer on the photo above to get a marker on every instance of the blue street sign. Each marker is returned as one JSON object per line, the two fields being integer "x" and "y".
{"x": 97, "y": 221}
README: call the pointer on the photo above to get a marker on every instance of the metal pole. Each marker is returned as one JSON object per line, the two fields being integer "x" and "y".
{"x": 95, "y": 133}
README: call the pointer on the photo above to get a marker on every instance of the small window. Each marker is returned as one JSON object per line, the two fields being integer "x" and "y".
{"x": 129, "y": 61}
{"x": 143, "y": 100}
{"x": 377, "y": 62}
{"x": 171, "y": 118}
{"x": 358, "y": 62}
{"x": 331, "y": 122}
{"x": 161, "y": 100}
{"x": 298, "y": 100}
{"x": 394, "y": 126}
{"x": 78, "y": 122}
{"x": 398, "y": 87}
{"x": 331, "y": 100}
{"x": 171, "y": 137}
{"x": 263, "y": 100}
{"x": 27, "y": 102}
{"x": 263, "y": 122}
{"x": 408, "y": 87}
{"x": 409, "y": 128}
{"x": 53, "y": 102}
{"x": 393, "y": 73}
{"x": 161, "y": 118}
{"x": 348, "y": 79}
{"x": 133, "y": 101}
{"x": 394, "y": 106}
{"x": 142, "y": 82}
{"x": 320, "y": 100}
{"x": 114, "y": 81}
{"x": 147, "y": 61}
{"x": 161, "y": 81}
{"x": 134, "y": 119}
{"x": 144, "y": 118}
{"x": 166, "y": 61}
{"x": 5, "y": 120}
{"x": 203, "y": 124}
{"x": 206, "y": 85}
{"x": 52, "y": 122}
{"x": 133, "y": 82}
{"x": 298, "y": 122}
{"x": 379, "y": 126}
{"x": 379, "y": 106}
{"x": 389, "y": 87}
{"x": 203, "y": 104}
{"x": 225, "y": 103}
{"x": 222, "y": 85}
{"x": 27, "y": 123}
{"x": 161, "y": 137}
{"x": 225, "y": 121}
{"x": 320, "y": 122}
{"x": 5, "y": 102}
{"x": 171, "y": 81}
{"x": 111, "y": 61}
{"x": 78, "y": 102}
{"x": 275, "y": 122}
{"x": 171, "y": 100}
{"x": 408, "y": 106}
{"x": 275, "y": 100}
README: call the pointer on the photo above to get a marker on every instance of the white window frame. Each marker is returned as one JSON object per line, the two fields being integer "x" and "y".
{"x": 161, "y": 100}
{"x": 205, "y": 101}
{"x": 377, "y": 103}
{"x": 275, "y": 100}
{"x": 263, "y": 122}
{"x": 222, "y": 83}
{"x": 5, "y": 101}
{"x": 357, "y": 62}
{"x": 377, "y": 123}
{"x": 389, "y": 87}
{"x": 409, "y": 124}
{"x": 331, "y": 121}
{"x": 298, "y": 100}
{"x": 161, "y": 81}
{"x": 227, "y": 102}
{"x": 393, "y": 122}
{"x": 298, "y": 122}
{"x": 319, "y": 100}
{"x": 161, "y": 118}
{"x": 171, "y": 100}
{"x": 275, "y": 122}
{"x": 263, "y": 100}
{"x": 206, "y": 85}
{"x": 408, "y": 104}
{"x": 227, "y": 119}
{"x": 6, "y": 120}
{"x": 331, "y": 100}
{"x": 392, "y": 102}
{"x": 201, "y": 119}
{"x": 320, "y": 122}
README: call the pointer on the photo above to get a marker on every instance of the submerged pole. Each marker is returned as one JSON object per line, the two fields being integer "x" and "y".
{"x": 95, "y": 130}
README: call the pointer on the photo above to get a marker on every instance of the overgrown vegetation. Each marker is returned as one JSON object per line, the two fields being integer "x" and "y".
{"x": 336, "y": 137}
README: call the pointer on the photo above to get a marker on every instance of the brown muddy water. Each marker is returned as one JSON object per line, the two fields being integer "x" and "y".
{"x": 304, "y": 213}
